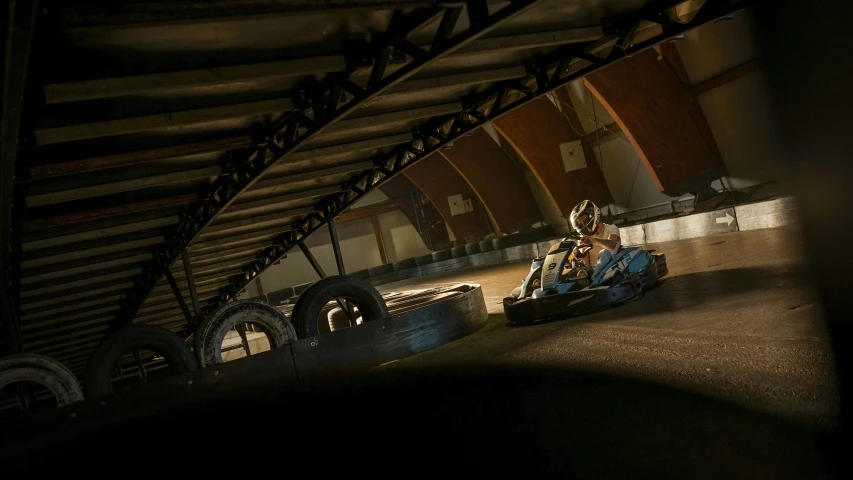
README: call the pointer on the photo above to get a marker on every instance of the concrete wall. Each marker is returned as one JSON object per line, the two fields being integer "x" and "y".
{"x": 400, "y": 236}
{"x": 628, "y": 180}
{"x": 358, "y": 245}
{"x": 739, "y": 112}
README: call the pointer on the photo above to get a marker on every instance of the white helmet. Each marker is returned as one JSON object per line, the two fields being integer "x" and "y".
{"x": 585, "y": 217}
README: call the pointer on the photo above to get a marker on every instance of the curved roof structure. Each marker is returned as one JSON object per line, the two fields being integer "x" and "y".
{"x": 222, "y": 133}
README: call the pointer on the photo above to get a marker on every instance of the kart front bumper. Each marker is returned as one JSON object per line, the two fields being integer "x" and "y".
{"x": 530, "y": 310}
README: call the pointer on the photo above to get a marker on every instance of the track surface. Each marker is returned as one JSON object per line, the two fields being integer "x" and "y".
{"x": 736, "y": 319}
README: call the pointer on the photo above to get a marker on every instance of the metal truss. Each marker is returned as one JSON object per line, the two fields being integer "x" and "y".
{"x": 545, "y": 74}
{"x": 320, "y": 106}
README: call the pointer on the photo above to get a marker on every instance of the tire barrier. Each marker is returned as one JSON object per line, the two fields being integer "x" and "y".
{"x": 298, "y": 289}
{"x": 43, "y": 370}
{"x": 99, "y": 371}
{"x": 472, "y": 248}
{"x": 442, "y": 255}
{"x": 486, "y": 246}
{"x": 265, "y": 318}
{"x": 307, "y": 311}
{"x": 405, "y": 264}
{"x": 378, "y": 270}
{"x": 423, "y": 260}
{"x": 363, "y": 274}
{"x": 280, "y": 297}
{"x": 458, "y": 252}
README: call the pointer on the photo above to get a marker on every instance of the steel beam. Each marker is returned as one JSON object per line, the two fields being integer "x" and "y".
{"x": 326, "y": 109}
{"x": 180, "y": 297}
{"x": 62, "y": 196}
{"x": 188, "y": 273}
{"x": 547, "y": 73}
{"x": 122, "y": 126}
{"x": 336, "y": 247}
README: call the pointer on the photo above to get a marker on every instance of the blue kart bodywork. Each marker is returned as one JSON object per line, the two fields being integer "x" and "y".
{"x": 556, "y": 288}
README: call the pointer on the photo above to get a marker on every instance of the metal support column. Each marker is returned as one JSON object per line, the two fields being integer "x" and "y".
{"x": 180, "y": 297}
{"x": 143, "y": 375}
{"x": 188, "y": 270}
{"x": 336, "y": 246}
{"x": 313, "y": 261}
{"x": 345, "y": 306}
{"x": 21, "y": 22}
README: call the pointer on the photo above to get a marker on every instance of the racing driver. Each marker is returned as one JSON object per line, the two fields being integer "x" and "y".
{"x": 585, "y": 219}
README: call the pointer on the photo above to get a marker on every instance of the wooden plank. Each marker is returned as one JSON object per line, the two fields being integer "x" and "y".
{"x": 379, "y": 243}
{"x": 498, "y": 182}
{"x": 137, "y": 157}
{"x": 536, "y": 131}
{"x": 372, "y": 210}
{"x": 670, "y": 134}
{"x": 106, "y": 212}
{"x": 161, "y": 120}
{"x": 438, "y": 180}
{"x": 728, "y": 76}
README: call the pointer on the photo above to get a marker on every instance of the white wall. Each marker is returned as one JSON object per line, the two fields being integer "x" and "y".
{"x": 358, "y": 246}
{"x": 629, "y": 181}
{"x": 739, "y": 113}
{"x": 401, "y": 238}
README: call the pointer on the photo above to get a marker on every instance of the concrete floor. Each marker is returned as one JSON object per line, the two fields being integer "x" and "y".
{"x": 735, "y": 319}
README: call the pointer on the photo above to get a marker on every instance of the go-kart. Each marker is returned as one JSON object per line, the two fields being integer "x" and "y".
{"x": 561, "y": 284}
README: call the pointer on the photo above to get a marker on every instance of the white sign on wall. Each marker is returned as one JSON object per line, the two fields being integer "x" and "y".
{"x": 457, "y": 204}
{"x": 573, "y": 157}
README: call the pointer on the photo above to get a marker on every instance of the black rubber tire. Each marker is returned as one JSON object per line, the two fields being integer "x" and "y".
{"x": 539, "y": 233}
{"x": 43, "y": 370}
{"x": 266, "y": 318}
{"x": 379, "y": 270}
{"x": 458, "y": 252}
{"x": 363, "y": 274}
{"x": 472, "y": 248}
{"x": 487, "y": 245}
{"x": 423, "y": 260}
{"x": 404, "y": 264}
{"x": 510, "y": 240}
{"x": 306, "y": 313}
{"x": 148, "y": 337}
{"x": 442, "y": 255}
